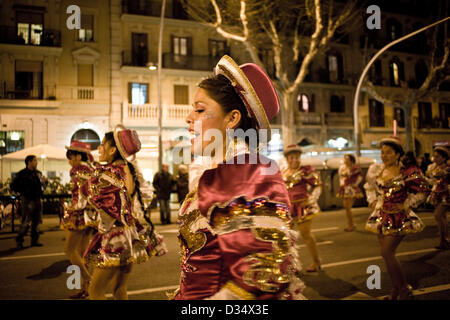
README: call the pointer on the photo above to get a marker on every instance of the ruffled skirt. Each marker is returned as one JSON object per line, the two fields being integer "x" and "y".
{"x": 121, "y": 246}
{"x": 74, "y": 220}
{"x": 349, "y": 192}
{"x": 397, "y": 224}
{"x": 303, "y": 210}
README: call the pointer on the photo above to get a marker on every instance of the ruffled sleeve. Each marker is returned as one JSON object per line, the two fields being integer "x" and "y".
{"x": 312, "y": 178}
{"x": 417, "y": 187}
{"x": 107, "y": 193}
{"x": 370, "y": 185}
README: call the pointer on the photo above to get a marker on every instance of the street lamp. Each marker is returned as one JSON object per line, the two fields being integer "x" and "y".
{"x": 366, "y": 69}
{"x": 161, "y": 28}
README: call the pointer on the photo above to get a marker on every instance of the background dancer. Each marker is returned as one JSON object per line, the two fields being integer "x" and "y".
{"x": 392, "y": 190}
{"x": 439, "y": 172}
{"x": 350, "y": 176}
{"x": 78, "y": 233}
{"x": 304, "y": 187}
{"x": 116, "y": 191}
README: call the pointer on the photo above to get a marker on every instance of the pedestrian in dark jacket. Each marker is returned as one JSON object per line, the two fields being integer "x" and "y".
{"x": 30, "y": 183}
{"x": 182, "y": 181}
{"x": 163, "y": 183}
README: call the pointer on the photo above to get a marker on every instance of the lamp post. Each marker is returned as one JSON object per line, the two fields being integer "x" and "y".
{"x": 161, "y": 28}
{"x": 366, "y": 69}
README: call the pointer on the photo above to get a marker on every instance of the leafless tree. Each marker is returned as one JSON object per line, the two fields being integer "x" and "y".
{"x": 295, "y": 31}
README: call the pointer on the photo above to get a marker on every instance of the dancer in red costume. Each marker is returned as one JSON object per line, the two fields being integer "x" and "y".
{"x": 234, "y": 224}
{"x": 304, "y": 187}
{"x": 392, "y": 190}
{"x": 439, "y": 173}
{"x": 78, "y": 232}
{"x": 117, "y": 191}
{"x": 350, "y": 176}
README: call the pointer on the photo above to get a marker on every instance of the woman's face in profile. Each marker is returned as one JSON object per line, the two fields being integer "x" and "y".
{"x": 207, "y": 122}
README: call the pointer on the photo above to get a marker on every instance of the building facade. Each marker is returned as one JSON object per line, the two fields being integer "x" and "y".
{"x": 58, "y": 84}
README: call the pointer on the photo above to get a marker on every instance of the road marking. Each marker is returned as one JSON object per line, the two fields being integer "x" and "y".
{"x": 318, "y": 243}
{"x": 341, "y": 263}
{"x": 324, "y": 229}
{"x": 168, "y": 231}
{"x": 34, "y": 256}
{"x": 144, "y": 291}
{"x": 313, "y": 230}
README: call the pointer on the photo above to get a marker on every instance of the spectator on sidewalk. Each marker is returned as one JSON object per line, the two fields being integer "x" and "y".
{"x": 30, "y": 183}
{"x": 163, "y": 183}
{"x": 182, "y": 181}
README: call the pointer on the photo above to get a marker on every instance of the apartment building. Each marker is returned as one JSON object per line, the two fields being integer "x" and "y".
{"x": 325, "y": 101}
{"x": 54, "y": 81}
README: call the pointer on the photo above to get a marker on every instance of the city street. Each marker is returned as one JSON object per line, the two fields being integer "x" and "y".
{"x": 40, "y": 272}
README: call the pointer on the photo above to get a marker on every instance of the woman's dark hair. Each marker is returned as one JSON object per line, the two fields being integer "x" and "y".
{"x": 442, "y": 153}
{"x": 351, "y": 157}
{"x": 409, "y": 159}
{"x": 84, "y": 156}
{"x": 109, "y": 137}
{"x": 396, "y": 147}
{"x": 219, "y": 88}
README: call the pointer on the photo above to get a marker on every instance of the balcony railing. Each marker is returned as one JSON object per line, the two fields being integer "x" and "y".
{"x": 48, "y": 38}
{"x": 338, "y": 119}
{"x": 189, "y": 62}
{"x": 310, "y": 118}
{"x": 130, "y": 58}
{"x": 147, "y": 114}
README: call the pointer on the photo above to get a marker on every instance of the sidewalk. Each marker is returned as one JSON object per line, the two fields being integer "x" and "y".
{"x": 51, "y": 222}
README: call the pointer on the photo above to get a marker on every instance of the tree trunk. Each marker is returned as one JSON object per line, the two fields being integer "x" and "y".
{"x": 288, "y": 127}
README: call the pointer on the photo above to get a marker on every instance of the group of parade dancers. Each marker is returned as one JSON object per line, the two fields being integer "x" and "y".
{"x": 238, "y": 225}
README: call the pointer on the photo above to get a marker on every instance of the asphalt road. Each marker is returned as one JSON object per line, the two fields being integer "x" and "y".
{"x": 41, "y": 272}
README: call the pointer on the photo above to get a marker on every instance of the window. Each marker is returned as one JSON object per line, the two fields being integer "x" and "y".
{"x": 85, "y": 75}
{"x": 86, "y": 32}
{"x": 29, "y": 27}
{"x": 337, "y": 104}
{"x": 425, "y": 115}
{"x": 138, "y": 93}
{"x": 397, "y": 73}
{"x": 376, "y": 73}
{"x": 88, "y": 136}
{"x": 11, "y": 141}
{"x": 376, "y": 113}
{"x": 421, "y": 71}
{"x": 266, "y": 56}
{"x": 28, "y": 79}
{"x": 304, "y": 103}
{"x": 139, "y": 49}
{"x": 399, "y": 115}
{"x": 335, "y": 67}
{"x": 181, "y": 94}
{"x": 217, "y": 48}
{"x": 181, "y": 46}
{"x": 444, "y": 115}
{"x": 394, "y": 29}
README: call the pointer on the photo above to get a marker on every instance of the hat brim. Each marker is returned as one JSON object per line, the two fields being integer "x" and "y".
{"x": 119, "y": 146}
{"x": 228, "y": 68}
{"x": 293, "y": 150}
